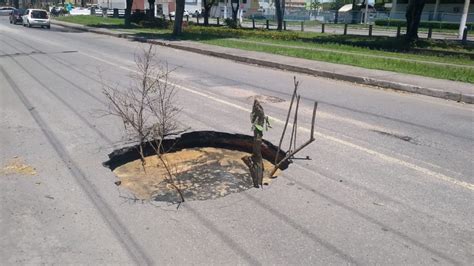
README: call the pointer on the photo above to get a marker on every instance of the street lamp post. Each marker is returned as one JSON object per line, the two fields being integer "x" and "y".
{"x": 225, "y": 9}
{"x": 462, "y": 25}
{"x": 366, "y": 11}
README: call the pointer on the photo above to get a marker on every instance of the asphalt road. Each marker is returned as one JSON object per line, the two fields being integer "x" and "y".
{"x": 390, "y": 180}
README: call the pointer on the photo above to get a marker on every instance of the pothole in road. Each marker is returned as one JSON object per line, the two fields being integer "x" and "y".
{"x": 205, "y": 165}
{"x": 397, "y": 136}
{"x": 36, "y": 53}
{"x": 265, "y": 99}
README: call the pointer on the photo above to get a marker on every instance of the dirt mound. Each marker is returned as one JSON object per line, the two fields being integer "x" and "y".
{"x": 200, "y": 173}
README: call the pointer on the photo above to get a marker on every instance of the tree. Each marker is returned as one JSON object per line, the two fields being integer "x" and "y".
{"x": 178, "y": 18}
{"x": 151, "y": 8}
{"x": 314, "y": 6}
{"x": 16, "y": 3}
{"x": 279, "y": 11}
{"x": 147, "y": 108}
{"x": 354, "y": 13}
{"x": 413, "y": 16}
{"x": 235, "y": 5}
{"x": 207, "y": 4}
{"x": 128, "y": 12}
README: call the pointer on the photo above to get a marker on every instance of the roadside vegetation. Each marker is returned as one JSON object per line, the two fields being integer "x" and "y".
{"x": 431, "y": 58}
{"x": 92, "y": 21}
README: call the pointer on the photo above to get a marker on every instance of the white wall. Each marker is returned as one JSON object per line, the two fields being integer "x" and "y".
{"x": 120, "y": 4}
{"x": 192, "y": 6}
{"x": 444, "y": 8}
{"x": 218, "y": 11}
{"x": 445, "y": 12}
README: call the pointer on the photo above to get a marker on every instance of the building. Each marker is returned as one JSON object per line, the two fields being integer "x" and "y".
{"x": 439, "y": 10}
{"x": 121, "y": 4}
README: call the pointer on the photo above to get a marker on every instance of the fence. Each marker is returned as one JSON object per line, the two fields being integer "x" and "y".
{"x": 324, "y": 22}
{"x": 353, "y": 17}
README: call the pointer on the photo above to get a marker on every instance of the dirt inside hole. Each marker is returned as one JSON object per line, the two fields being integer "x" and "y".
{"x": 200, "y": 173}
{"x": 17, "y": 166}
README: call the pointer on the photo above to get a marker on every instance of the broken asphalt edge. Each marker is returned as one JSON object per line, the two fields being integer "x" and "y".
{"x": 459, "y": 97}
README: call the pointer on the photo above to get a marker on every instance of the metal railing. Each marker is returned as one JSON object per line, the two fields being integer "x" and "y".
{"x": 333, "y": 16}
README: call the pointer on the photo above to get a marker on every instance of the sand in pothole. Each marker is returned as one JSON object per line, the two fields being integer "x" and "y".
{"x": 17, "y": 166}
{"x": 200, "y": 173}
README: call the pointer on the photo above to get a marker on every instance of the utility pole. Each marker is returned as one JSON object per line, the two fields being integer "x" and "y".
{"x": 225, "y": 9}
{"x": 366, "y": 11}
{"x": 462, "y": 25}
{"x": 435, "y": 9}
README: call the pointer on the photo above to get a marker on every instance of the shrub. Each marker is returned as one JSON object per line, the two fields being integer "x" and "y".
{"x": 137, "y": 17}
{"x": 236, "y": 33}
{"x": 155, "y": 23}
{"x": 231, "y": 23}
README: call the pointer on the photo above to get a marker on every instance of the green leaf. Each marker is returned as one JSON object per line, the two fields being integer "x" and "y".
{"x": 267, "y": 123}
{"x": 259, "y": 127}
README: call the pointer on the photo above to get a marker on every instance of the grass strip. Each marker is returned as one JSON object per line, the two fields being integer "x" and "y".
{"x": 415, "y": 68}
{"x": 334, "y": 47}
{"x": 94, "y": 21}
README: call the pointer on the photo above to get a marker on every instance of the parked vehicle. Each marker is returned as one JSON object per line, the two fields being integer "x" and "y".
{"x": 36, "y": 17}
{"x": 57, "y": 9}
{"x": 110, "y": 12}
{"x": 16, "y": 16}
{"x": 6, "y": 10}
{"x": 196, "y": 13}
{"x": 185, "y": 13}
{"x": 80, "y": 11}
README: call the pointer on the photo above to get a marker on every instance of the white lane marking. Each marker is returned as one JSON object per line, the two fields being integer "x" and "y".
{"x": 327, "y": 137}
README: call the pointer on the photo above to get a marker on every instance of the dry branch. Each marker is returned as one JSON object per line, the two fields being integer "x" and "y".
{"x": 296, "y": 84}
{"x": 292, "y": 152}
{"x": 147, "y": 108}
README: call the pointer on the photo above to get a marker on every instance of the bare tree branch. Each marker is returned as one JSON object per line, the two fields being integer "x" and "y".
{"x": 147, "y": 108}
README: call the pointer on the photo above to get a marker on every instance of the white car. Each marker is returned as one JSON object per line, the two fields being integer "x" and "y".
{"x": 80, "y": 11}
{"x": 36, "y": 17}
{"x": 185, "y": 13}
{"x": 6, "y": 10}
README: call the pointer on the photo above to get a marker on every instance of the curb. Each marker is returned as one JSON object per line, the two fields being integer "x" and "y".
{"x": 459, "y": 97}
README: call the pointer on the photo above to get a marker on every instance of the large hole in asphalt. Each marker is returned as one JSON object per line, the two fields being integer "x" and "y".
{"x": 205, "y": 164}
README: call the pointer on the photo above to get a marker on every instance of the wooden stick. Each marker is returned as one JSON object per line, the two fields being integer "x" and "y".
{"x": 295, "y": 125}
{"x": 313, "y": 120}
{"x": 291, "y": 153}
{"x": 287, "y": 118}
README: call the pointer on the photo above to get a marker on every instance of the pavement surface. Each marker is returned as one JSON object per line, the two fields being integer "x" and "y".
{"x": 390, "y": 180}
{"x": 440, "y": 88}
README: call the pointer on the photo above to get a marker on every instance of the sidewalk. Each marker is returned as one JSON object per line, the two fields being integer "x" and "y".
{"x": 452, "y": 90}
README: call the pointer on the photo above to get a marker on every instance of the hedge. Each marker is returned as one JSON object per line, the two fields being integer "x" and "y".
{"x": 423, "y": 24}
{"x": 239, "y": 32}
